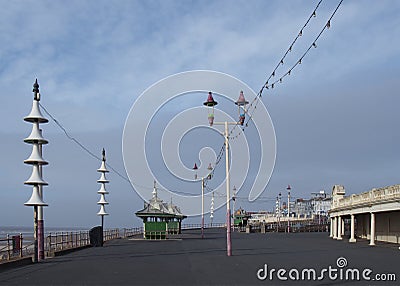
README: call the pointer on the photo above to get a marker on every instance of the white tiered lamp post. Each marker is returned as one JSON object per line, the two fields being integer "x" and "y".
{"x": 202, "y": 207}
{"x": 212, "y": 209}
{"x": 234, "y": 206}
{"x": 103, "y": 181}
{"x": 288, "y": 208}
{"x": 280, "y": 210}
{"x": 277, "y": 212}
{"x": 35, "y": 180}
{"x": 241, "y": 103}
{"x": 209, "y": 168}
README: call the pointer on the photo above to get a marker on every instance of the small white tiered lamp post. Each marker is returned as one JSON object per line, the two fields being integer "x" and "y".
{"x": 212, "y": 209}
{"x": 35, "y": 180}
{"x": 234, "y": 206}
{"x": 103, "y": 181}
{"x": 288, "y": 207}
{"x": 209, "y": 168}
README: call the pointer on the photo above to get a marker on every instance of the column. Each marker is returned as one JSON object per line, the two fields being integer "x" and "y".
{"x": 335, "y": 227}
{"x": 352, "y": 238}
{"x": 331, "y": 227}
{"x": 342, "y": 226}
{"x": 339, "y": 237}
{"x": 372, "y": 234}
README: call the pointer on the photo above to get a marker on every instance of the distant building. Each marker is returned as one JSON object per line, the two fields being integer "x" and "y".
{"x": 321, "y": 203}
{"x": 303, "y": 208}
{"x": 318, "y": 205}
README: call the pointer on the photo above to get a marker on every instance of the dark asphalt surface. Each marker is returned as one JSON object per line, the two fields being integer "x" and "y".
{"x": 193, "y": 261}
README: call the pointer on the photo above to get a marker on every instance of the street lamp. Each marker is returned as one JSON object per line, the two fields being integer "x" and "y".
{"x": 209, "y": 168}
{"x": 241, "y": 103}
{"x": 35, "y": 180}
{"x": 103, "y": 181}
{"x": 210, "y": 103}
{"x": 195, "y": 169}
{"x": 288, "y": 208}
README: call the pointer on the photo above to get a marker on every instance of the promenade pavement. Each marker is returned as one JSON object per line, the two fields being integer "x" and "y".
{"x": 190, "y": 260}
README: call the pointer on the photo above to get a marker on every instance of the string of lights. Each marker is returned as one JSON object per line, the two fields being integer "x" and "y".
{"x": 268, "y": 84}
{"x": 282, "y": 60}
{"x": 299, "y": 61}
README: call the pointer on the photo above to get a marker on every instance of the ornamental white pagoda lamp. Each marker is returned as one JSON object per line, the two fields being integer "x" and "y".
{"x": 35, "y": 180}
{"x": 103, "y": 181}
{"x": 234, "y": 200}
{"x": 288, "y": 208}
{"x": 210, "y": 103}
{"x": 212, "y": 209}
{"x": 234, "y": 205}
{"x": 241, "y": 103}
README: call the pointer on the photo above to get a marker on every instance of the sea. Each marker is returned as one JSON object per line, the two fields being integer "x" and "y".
{"x": 27, "y": 232}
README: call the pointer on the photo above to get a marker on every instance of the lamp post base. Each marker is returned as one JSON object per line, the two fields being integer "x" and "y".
{"x": 202, "y": 227}
{"x": 35, "y": 234}
{"x": 228, "y": 233}
{"x": 40, "y": 240}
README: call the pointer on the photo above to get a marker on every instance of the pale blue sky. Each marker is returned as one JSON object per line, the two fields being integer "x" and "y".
{"x": 335, "y": 117}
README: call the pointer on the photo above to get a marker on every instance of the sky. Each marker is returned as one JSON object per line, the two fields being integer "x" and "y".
{"x": 334, "y": 117}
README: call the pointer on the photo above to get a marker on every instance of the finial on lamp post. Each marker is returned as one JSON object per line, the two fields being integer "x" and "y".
{"x": 36, "y": 94}
{"x": 104, "y": 154}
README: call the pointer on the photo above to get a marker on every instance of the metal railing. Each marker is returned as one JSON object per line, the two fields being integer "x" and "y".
{"x": 14, "y": 246}
{"x": 129, "y": 232}
{"x": 308, "y": 226}
{"x": 66, "y": 240}
{"x": 206, "y": 225}
{"x": 110, "y": 234}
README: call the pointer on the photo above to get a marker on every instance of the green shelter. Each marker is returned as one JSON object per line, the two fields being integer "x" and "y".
{"x": 240, "y": 218}
{"x": 160, "y": 219}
